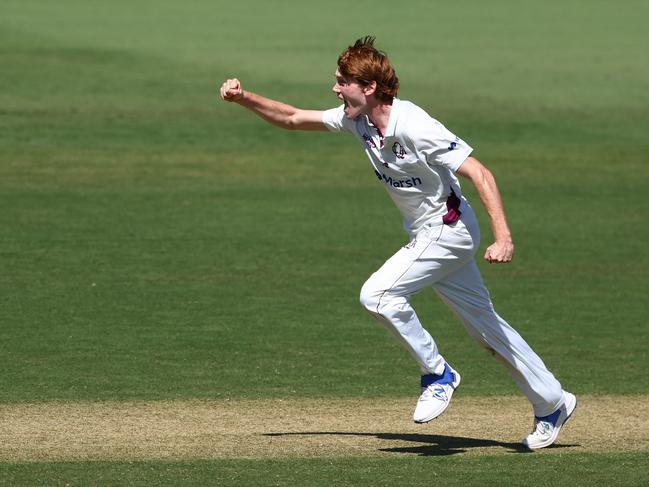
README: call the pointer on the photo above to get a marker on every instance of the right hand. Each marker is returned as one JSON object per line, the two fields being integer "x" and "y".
{"x": 231, "y": 90}
{"x": 500, "y": 252}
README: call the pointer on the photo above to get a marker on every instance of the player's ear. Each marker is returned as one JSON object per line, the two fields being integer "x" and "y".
{"x": 370, "y": 88}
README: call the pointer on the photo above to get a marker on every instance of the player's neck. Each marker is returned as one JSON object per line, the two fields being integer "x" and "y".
{"x": 379, "y": 115}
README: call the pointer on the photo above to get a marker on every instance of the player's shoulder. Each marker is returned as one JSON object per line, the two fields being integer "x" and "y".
{"x": 414, "y": 121}
{"x": 409, "y": 110}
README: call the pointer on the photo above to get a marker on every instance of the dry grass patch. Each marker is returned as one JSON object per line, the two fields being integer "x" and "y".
{"x": 276, "y": 428}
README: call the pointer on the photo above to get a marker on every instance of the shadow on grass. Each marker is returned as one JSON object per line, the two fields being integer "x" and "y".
{"x": 430, "y": 445}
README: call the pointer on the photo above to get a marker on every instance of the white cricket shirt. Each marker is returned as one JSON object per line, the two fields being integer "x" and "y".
{"x": 415, "y": 160}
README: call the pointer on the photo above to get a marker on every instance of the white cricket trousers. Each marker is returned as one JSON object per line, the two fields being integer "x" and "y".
{"x": 443, "y": 257}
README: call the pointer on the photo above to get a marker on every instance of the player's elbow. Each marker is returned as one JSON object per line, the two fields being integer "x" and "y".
{"x": 284, "y": 123}
{"x": 291, "y": 123}
{"x": 295, "y": 120}
{"x": 483, "y": 176}
{"x": 478, "y": 173}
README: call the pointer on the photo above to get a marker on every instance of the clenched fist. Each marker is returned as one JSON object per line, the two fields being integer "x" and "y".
{"x": 231, "y": 90}
{"x": 500, "y": 252}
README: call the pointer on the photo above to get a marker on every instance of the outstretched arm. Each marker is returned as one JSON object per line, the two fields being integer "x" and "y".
{"x": 274, "y": 112}
{"x": 502, "y": 250}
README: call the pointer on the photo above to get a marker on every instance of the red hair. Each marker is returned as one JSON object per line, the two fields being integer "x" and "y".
{"x": 364, "y": 63}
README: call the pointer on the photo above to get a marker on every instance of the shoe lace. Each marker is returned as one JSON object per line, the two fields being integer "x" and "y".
{"x": 541, "y": 427}
{"x": 434, "y": 391}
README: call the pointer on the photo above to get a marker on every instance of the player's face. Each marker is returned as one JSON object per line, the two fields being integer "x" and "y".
{"x": 351, "y": 94}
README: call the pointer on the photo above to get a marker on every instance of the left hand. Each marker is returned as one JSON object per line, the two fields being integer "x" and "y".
{"x": 500, "y": 252}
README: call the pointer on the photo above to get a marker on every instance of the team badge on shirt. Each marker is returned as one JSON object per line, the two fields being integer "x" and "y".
{"x": 398, "y": 150}
{"x": 368, "y": 141}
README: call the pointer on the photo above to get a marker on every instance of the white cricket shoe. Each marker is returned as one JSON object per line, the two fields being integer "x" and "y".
{"x": 436, "y": 393}
{"x": 547, "y": 428}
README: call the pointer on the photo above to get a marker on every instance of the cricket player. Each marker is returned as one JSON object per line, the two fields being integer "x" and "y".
{"x": 417, "y": 160}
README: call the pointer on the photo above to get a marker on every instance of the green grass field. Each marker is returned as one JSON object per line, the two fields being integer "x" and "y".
{"x": 160, "y": 244}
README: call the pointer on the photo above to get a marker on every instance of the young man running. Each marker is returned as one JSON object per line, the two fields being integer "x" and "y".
{"x": 416, "y": 158}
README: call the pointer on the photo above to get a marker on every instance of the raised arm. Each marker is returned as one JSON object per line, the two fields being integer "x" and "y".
{"x": 502, "y": 250}
{"x": 274, "y": 112}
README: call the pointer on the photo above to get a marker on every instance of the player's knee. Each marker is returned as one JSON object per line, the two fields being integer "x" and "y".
{"x": 379, "y": 301}
{"x": 370, "y": 298}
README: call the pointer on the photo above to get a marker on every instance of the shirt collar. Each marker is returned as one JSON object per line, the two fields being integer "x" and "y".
{"x": 394, "y": 115}
{"x": 392, "y": 119}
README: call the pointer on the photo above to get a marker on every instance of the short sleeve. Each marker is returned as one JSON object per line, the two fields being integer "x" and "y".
{"x": 336, "y": 121}
{"x": 440, "y": 146}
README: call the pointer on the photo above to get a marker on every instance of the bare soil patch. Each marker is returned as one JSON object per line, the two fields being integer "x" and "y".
{"x": 275, "y": 428}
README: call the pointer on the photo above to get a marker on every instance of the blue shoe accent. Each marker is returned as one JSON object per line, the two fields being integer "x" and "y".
{"x": 552, "y": 418}
{"x": 446, "y": 377}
